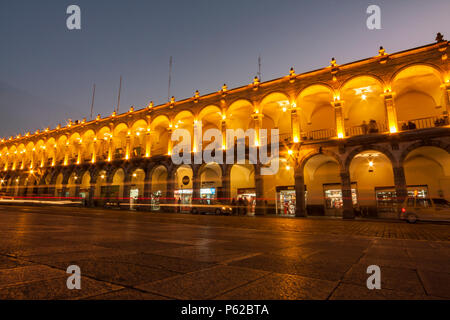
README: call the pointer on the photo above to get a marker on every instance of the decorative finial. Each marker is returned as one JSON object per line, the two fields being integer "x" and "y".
{"x": 196, "y": 94}
{"x": 131, "y": 109}
{"x": 98, "y": 117}
{"x": 333, "y": 62}
{"x": 224, "y": 88}
{"x": 172, "y": 100}
{"x": 292, "y": 72}
{"x": 439, "y": 37}
{"x": 255, "y": 81}
{"x": 150, "y": 105}
{"x": 114, "y": 113}
{"x": 381, "y": 52}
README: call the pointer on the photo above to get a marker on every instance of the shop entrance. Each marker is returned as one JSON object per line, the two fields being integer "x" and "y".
{"x": 183, "y": 198}
{"x": 285, "y": 201}
{"x": 333, "y": 198}
{"x": 134, "y": 195}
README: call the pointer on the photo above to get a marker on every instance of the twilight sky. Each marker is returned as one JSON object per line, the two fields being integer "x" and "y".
{"x": 47, "y": 71}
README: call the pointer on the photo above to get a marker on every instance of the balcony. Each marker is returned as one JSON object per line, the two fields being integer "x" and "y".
{"x": 367, "y": 129}
{"x": 321, "y": 134}
{"x": 423, "y": 123}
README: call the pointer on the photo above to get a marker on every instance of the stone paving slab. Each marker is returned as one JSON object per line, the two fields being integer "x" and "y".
{"x": 282, "y": 287}
{"x": 204, "y": 284}
{"x": 24, "y": 274}
{"x": 273, "y": 263}
{"x": 55, "y": 289}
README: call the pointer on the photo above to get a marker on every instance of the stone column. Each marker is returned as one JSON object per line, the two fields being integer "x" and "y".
{"x": 347, "y": 196}
{"x": 400, "y": 184}
{"x": 226, "y": 185}
{"x": 223, "y": 127}
{"x": 91, "y": 193}
{"x": 391, "y": 111}
{"x": 170, "y": 144}
{"x": 196, "y": 185}
{"x": 170, "y": 189}
{"x": 300, "y": 204}
{"x": 340, "y": 128}
{"x": 257, "y": 117}
{"x": 126, "y": 188}
{"x": 94, "y": 151}
{"x": 128, "y": 147}
{"x": 147, "y": 190}
{"x": 259, "y": 191}
{"x": 148, "y": 144}
{"x": 295, "y": 122}
{"x": 110, "y": 146}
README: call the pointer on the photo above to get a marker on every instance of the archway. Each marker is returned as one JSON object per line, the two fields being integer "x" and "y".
{"x": 427, "y": 172}
{"x": 279, "y": 188}
{"x": 119, "y": 139}
{"x": 138, "y": 138}
{"x": 276, "y": 115}
{"x": 158, "y": 187}
{"x": 103, "y": 141}
{"x": 117, "y": 185}
{"x": 101, "y": 186}
{"x": 210, "y": 175}
{"x": 419, "y": 98}
{"x": 323, "y": 188}
{"x": 59, "y": 186}
{"x": 363, "y": 104}
{"x": 242, "y": 186}
{"x": 160, "y": 135}
{"x": 317, "y": 120}
{"x": 372, "y": 171}
{"x": 183, "y": 187}
{"x": 85, "y": 187}
{"x": 72, "y": 185}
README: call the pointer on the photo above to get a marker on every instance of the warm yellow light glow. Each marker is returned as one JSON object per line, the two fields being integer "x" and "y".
{"x": 102, "y": 176}
{"x": 370, "y": 163}
{"x": 256, "y": 111}
{"x": 393, "y": 129}
{"x": 288, "y": 168}
{"x": 295, "y": 139}
{"x": 137, "y": 133}
{"x": 284, "y": 109}
{"x": 134, "y": 175}
{"x": 340, "y": 135}
{"x": 224, "y": 117}
{"x": 363, "y": 97}
{"x": 31, "y": 171}
{"x": 290, "y": 151}
{"x": 223, "y": 147}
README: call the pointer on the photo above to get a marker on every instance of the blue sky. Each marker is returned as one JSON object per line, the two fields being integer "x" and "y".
{"x": 47, "y": 71}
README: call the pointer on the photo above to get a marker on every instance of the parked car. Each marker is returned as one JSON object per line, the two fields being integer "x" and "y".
{"x": 425, "y": 209}
{"x": 211, "y": 207}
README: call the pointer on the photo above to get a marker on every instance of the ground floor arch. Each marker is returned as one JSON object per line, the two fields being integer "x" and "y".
{"x": 373, "y": 174}
{"x": 158, "y": 195}
{"x": 427, "y": 172}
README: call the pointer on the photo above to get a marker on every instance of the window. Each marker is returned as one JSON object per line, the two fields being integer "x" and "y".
{"x": 423, "y": 203}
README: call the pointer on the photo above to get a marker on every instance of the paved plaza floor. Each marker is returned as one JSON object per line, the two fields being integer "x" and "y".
{"x": 143, "y": 255}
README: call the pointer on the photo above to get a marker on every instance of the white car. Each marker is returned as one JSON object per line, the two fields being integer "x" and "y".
{"x": 425, "y": 209}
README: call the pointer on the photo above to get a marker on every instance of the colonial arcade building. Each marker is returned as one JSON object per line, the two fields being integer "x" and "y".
{"x": 356, "y": 137}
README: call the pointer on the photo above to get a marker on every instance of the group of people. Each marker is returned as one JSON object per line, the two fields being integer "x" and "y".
{"x": 372, "y": 127}
{"x": 241, "y": 206}
{"x": 408, "y": 126}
